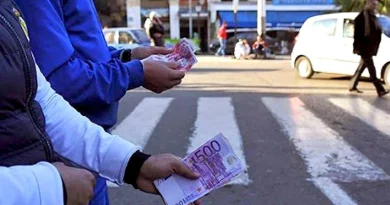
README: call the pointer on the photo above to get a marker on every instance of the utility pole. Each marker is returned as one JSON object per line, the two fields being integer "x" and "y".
{"x": 198, "y": 9}
{"x": 261, "y": 17}
{"x": 190, "y": 17}
{"x": 235, "y": 10}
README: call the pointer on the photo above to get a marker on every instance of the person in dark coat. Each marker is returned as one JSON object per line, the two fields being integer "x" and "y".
{"x": 156, "y": 30}
{"x": 367, "y": 38}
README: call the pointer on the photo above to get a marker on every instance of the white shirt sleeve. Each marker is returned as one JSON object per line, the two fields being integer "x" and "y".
{"x": 76, "y": 138}
{"x": 37, "y": 184}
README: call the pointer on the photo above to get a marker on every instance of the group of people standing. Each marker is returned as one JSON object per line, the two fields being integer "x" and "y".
{"x": 59, "y": 90}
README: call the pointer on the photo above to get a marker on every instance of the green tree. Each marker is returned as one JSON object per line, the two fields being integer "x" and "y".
{"x": 358, "y": 5}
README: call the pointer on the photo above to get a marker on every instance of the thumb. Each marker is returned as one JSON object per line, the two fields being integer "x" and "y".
{"x": 182, "y": 170}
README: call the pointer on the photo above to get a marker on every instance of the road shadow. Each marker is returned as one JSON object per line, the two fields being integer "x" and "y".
{"x": 232, "y": 70}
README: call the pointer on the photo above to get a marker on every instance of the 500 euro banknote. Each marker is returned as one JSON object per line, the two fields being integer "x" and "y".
{"x": 184, "y": 54}
{"x": 216, "y": 163}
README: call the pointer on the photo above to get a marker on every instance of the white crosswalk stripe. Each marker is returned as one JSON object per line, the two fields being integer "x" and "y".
{"x": 216, "y": 115}
{"x": 326, "y": 154}
{"x": 139, "y": 125}
{"x": 366, "y": 112}
{"x": 329, "y": 158}
{"x": 333, "y": 191}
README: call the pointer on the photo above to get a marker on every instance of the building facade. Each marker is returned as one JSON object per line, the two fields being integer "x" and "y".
{"x": 184, "y": 18}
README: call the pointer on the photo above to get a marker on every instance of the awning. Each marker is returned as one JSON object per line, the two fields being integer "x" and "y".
{"x": 245, "y": 19}
{"x": 248, "y": 19}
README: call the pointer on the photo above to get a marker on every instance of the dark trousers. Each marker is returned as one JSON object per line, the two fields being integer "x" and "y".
{"x": 259, "y": 51}
{"x": 366, "y": 62}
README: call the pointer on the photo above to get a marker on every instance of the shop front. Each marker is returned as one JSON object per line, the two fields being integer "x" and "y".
{"x": 279, "y": 14}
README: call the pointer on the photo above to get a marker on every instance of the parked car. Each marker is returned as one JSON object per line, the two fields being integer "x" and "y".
{"x": 126, "y": 38}
{"x": 274, "y": 38}
{"x": 325, "y": 44}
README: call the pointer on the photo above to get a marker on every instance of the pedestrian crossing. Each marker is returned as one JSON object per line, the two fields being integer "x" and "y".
{"x": 328, "y": 157}
{"x": 212, "y": 115}
{"x": 142, "y": 121}
{"x": 365, "y": 112}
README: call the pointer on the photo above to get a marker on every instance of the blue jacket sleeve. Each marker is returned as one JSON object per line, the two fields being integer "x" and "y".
{"x": 85, "y": 82}
{"x": 79, "y": 81}
{"x": 115, "y": 53}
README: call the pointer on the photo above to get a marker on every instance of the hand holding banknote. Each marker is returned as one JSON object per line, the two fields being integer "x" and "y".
{"x": 216, "y": 163}
{"x": 164, "y": 71}
{"x": 183, "y": 53}
{"x": 160, "y": 166}
{"x": 160, "y": 76}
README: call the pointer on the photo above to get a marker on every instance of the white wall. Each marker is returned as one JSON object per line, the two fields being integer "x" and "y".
{"x": 174, "y": 20}
{"x": 134, "y": 13}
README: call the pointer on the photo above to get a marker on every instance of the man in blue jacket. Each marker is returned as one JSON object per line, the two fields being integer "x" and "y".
{"x": 67, "y": 41}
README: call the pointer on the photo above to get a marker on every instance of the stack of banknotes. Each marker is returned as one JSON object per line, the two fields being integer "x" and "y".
{"x": 217, "y": 165}
{"x": 184, "y": 54}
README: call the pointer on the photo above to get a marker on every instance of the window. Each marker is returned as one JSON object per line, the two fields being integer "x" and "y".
{"x": 125, "y": 38}
{"x": 109, "y": 36}
{"x": 141, "y": 36}
{"x": 384, "y": 21}
{"x": 325, "y": 27}
{"x": 348, "y": 28}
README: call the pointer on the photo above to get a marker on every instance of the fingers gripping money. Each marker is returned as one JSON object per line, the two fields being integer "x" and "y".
{"x": 217, "y": 165}
{"x": 183, "y": 54}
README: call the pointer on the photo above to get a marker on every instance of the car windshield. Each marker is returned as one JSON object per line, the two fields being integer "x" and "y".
{"x": 385, "y": 24}
{"x": 141, "y": 35}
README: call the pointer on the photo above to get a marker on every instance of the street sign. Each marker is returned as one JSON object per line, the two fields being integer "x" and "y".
{"x": 235, "y": 5}
{"x": 198, "y": 8}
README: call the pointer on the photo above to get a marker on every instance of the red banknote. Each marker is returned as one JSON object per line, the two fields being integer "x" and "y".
{"x": 184, "y": 54}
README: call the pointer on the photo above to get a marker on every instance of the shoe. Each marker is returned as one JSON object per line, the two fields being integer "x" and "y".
{"x": 382, "y": 93}
{"x": 355, "y": 90}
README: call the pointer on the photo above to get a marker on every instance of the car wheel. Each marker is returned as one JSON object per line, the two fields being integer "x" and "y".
{"x": 304, "y": 67}
{"x": 386, "y": 75}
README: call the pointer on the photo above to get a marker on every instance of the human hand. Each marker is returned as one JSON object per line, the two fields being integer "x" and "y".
{"x": 161, "y": 166}
{"x": 160, "y": 76}
{"x": 79, "y": 184}
{"x": 144, "y": 52}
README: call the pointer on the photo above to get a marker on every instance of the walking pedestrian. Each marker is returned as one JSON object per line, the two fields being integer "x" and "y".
{"x": 367, "y": 38}
{"x": 222, "y": 36}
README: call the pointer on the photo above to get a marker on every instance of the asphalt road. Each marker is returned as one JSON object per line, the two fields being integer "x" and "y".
{"x": 303, "y": 141}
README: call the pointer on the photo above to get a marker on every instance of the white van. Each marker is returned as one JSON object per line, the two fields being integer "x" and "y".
{"x": 325, "y": 44}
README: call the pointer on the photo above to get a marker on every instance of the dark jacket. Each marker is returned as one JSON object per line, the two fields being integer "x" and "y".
{"x": 157, "y": 28}
{"x": 368, "y": 34}
{"x": 23, "y": 139}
